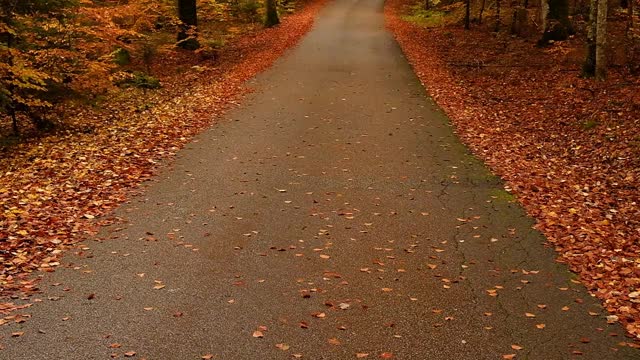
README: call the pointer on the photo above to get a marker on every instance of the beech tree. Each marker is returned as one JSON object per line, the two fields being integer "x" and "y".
{"x": 271, "y": 18}
{"x": 601, "y": 40}
{"x": 595, "y": 63}
{"x": 188, "y": 15}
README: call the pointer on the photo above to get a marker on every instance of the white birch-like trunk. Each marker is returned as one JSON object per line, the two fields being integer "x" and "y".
{"x": 544, "y": 12}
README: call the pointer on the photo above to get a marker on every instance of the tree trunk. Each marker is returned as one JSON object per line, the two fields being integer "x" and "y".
{"x": 426, "y": 4}
{"x": 544, "y": 11}
{"x": 589, "y": 66}
{"x": 601, "y": 40}
{"x": 519, "y": 21}
{"x": 11, "y": 107}
{"x": 481, "y": 11}
{"x": 272, "y": 18}
{"x": 497, "y": 15}
{"x": 557, "y": 24}
{"x": 467, "y": 15}
{"x": 188, "y": 15}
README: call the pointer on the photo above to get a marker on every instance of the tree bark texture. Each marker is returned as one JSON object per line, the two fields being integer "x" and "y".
{"x": 272, "y": 18}
{"x": 544, "y": 11}
{"x": 188, "y": 15}
{"x": 467, "y": 15}
{"x": 589, "y": 66}
{"x": 601, "y": 40}
{"x": 497, "y": 15}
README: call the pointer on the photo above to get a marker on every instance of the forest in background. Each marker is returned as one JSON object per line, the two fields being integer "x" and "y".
{"x": 58, "y": 56}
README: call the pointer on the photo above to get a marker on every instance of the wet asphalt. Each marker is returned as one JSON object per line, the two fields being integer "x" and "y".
{"x": 334, "y": 214}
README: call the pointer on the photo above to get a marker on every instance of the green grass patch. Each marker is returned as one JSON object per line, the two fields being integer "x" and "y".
{"x": 428, "y": 18}
{"x": 589, "y": 124}
{"x": 502, "y": 195}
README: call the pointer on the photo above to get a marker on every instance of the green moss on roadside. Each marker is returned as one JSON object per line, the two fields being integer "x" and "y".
{"x": 502, "y": 196}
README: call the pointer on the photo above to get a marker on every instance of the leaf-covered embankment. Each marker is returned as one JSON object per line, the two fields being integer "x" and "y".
{"x": 55, "y": 189}
{"x": 568, "y": 147}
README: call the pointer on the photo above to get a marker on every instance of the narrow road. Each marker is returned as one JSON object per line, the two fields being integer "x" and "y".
{"x": 333, "y": 214}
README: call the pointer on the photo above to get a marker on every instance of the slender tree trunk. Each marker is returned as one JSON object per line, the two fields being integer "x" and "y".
{"x": 544, "y": 11}
{"x": 481, "y": 11}
{"x": 467, "y": 15}
{"x": 188, "y": 15}
{"x": 11, "y": 107}
{"x": 272, "y": 18}
{"x": 589, "y": 66}
{"x": 426, "y": 4}
{"x": 601, "y": 40}
{"x": 497, "y": 15}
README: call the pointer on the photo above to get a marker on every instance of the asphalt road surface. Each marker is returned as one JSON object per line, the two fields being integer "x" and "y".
{"x": 334, "y": 214}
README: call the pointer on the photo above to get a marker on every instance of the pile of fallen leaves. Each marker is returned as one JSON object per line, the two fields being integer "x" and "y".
{"x": 568, "y": 147}
{"x": 55, "y": 190}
